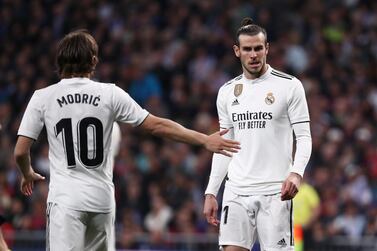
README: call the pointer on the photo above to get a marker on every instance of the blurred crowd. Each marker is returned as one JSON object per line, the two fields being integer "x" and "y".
{"x": 172, "y": 56}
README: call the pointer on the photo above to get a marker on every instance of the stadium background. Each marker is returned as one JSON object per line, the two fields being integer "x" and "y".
{"x": 172, "y": 56}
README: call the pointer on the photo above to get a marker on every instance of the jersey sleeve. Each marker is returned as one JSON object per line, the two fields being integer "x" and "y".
{"x": 303, "y": 147}
{"x": 219, "y": 169}
{"x": 297, "y": 106}
{"x": 32, "y": 122}
{"x": 126, "y": 109}
{"x": 222, "y": 111}
{"x": 220, "y": 163}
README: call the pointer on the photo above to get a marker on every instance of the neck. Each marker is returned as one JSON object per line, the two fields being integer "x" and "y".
{"x": 76, "y": 75}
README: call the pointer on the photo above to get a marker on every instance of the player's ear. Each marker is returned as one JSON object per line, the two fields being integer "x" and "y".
{"x": 267, "y": 47}
{"x": 236, "y": 50}
{"x": 94, "y": 60}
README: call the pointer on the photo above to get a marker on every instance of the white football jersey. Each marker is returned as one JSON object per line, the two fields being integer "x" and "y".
{"x": 262, "y": 112}
{"x": 79, "y": 114}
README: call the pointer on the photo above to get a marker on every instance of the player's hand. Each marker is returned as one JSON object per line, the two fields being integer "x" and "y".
{"x": 218, "y": 144}
{"x": 290, "y": 186}
{"x": 27, "y": 182}
{"x": 210, "y": 209}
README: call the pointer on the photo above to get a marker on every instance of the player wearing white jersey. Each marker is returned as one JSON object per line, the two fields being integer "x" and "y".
{"x": 79, "y": 114}
{"x": 262, "y": 107}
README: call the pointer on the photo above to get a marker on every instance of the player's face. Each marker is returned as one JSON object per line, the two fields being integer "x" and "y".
{"x": 252, "y": 52}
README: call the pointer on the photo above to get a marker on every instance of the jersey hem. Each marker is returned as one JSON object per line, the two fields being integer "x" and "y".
{"x": 299, "y": 122}
{"x": 82, "y": 209}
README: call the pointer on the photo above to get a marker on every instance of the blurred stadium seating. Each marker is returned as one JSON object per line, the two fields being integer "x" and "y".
{"x": 172, "y": 56}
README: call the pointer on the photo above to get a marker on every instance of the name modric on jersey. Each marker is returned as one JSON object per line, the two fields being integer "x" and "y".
{"x": 251, "y": 120}
{"x": 78, "y": 98}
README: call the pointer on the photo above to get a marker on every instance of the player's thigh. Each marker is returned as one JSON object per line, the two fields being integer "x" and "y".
{"x": 100, "y": 232}
{"x": 237, "y": 226}
{"x": 275, "y": 224}
{"x": 65, "y": 228}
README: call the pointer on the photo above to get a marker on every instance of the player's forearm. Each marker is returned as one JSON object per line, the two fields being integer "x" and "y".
{"x": 303, "y": 147}
{"x": 169, "y": 129}
{"x": 23, "y": 163}
{"x": 22, "y": 154}
{"x": 219, "y": 170}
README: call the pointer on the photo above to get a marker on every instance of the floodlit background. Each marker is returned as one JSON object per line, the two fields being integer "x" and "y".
{"x": 172, "y": 56}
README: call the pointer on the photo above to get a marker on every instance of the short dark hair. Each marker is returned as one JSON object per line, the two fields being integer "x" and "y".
{"x": 75, "y": 53}
{"x": 248, "y": 27}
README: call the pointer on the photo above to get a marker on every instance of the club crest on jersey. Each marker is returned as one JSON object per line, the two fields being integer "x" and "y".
{"x": 238, "y": 89}
{"x": 270, "y": 99}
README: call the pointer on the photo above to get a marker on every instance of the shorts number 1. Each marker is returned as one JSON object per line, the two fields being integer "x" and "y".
{"x": 226, "y": 209}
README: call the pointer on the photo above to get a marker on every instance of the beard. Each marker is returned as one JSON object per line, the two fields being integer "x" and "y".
{"x": 255, "y": 72}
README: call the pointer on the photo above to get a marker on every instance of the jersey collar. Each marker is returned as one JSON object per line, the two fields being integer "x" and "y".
{"x": 74, "y": 80}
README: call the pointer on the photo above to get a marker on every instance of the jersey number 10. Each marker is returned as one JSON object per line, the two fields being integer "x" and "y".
{"x": 64, "y": 126}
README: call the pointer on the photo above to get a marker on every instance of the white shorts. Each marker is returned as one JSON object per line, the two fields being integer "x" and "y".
{"x": 266, "y": 217}
{"x": 73, "y": 230}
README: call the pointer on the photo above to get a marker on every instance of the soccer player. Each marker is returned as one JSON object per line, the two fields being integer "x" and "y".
{"x": 79, "y": 114}
{"x": 261, "y": 108}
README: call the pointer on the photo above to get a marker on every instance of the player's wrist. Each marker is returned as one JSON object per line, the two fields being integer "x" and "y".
{"x": 209, "y": 195}
{"x": 204, "y": 141}
{"x": 296, "y": 179}
{"x": 296, "y": 176}
{"x": 28, "y": 172}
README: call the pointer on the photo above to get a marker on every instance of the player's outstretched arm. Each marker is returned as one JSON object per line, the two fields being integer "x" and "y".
{"x": 169, "y": 129}
{"x": 22, "y": 156}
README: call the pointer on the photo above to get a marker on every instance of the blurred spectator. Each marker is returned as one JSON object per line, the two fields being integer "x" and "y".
{"x": 129, "y": 229}
{"x": 145, "y": 85}
{"x": 156, "y": 221}
{"x": 357, "y": 188}
{"x": 296, "y": 57}
{"x": 350, "y": 223}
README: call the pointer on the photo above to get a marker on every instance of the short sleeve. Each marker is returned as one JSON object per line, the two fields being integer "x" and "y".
{"x": 297, "y": 106}
{"x": 126, "y": 109}
{"x": 222, "y": 111}
{"x": 32, "y": 122}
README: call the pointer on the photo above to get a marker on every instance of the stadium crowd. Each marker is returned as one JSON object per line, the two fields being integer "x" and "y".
{"x": 172, "y": 56}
